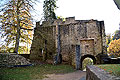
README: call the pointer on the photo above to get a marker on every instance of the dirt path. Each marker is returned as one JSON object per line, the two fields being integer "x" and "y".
{"x": 78, "y": 75}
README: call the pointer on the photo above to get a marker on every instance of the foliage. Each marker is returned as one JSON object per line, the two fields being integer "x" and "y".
{"x": 3, "y": 49}
{"x": 117, "y": 2}
{"x": 114, "y": 48}
{"x": 60, "y": 17}
{"x": 21, "y": 50}
{"x": 11, "y": 50}
{"x": 86, "y": 61}
{"x": 33, "y": 72}
{"x": 108, "y": 39}
{"x": 116, "y": 35}
{"x": 16, "y": 22}
{"x": 49, "y": 7}
{"x": 113, "y": 69}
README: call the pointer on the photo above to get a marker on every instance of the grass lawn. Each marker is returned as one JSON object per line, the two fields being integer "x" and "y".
{"x": 113, "y": 69}
{"x": 33, "y": 72}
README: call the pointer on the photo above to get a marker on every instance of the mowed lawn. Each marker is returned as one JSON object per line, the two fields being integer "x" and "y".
{"x": 113, "y": 69}
{"x": 33, "y": 72}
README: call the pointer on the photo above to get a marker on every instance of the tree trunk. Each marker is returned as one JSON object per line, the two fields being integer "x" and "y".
{"x": 17, "y": 40}
{"x": 18, "y": 31}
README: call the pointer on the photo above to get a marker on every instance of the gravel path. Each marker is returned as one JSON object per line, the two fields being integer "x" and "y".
{"x": 78, "y": 75}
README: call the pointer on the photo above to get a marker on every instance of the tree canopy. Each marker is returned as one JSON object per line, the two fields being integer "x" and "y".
{"x": 108, "y": 39}
{"x": 16, "y": 22}
{"x": 114, "y": 48}
{"x": 49, "y": 7}
{"x": 117, "y": 2}
{"x": 116, "y": 35}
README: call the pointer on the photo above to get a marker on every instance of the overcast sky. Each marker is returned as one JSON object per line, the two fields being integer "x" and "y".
{"x": 85, "y": 10}
{"x": 90, "y": 9}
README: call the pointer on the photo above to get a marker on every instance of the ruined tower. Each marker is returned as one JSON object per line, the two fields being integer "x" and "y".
{"x": 89, "y": 34}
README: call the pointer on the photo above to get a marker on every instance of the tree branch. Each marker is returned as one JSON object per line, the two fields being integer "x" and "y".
{"x": 26, "y": 28}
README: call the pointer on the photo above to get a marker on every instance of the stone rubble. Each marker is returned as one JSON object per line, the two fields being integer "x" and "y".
{"x": 9, "y": 60}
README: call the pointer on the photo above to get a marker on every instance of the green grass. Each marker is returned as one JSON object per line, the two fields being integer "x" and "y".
{"x": 113, "y": 69}
{"x": 33, "y": 72}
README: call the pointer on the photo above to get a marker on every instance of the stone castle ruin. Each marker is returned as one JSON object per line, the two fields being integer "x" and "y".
{"x": 88, "y": 34}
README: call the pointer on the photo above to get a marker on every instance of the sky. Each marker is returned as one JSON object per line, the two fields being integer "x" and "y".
{"x": 104, "y": 10}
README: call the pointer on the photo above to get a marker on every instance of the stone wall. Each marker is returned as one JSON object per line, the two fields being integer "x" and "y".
{"x": 43, "y": 42}
{"x": 11, "y": 60}
{"x": 89, "y": 34}
{"x": 95, "y": 73}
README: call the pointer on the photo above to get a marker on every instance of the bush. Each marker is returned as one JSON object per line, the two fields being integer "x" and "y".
{"x": 86, "y": 61}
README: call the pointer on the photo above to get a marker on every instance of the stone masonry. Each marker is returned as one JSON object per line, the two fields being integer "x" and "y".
{"x": 89, "y": 34}
{"x": 11, "y": 60}
{"x": 95, "y": 73}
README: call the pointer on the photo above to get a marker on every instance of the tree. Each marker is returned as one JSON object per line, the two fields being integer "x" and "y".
{"x": 108, "y": 39}
{"x": 49, "y": 7}
{"x": 16, "y": 22}
{"x": 3, "y": 49}
{"x": 114, "y": 48}
{"x": 116, "y": 35}
{"x": 60, "y": 17}
{"x": 117, "y": 2}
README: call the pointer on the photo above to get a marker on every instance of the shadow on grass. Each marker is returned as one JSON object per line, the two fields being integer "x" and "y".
{"x": 33, "y": 72}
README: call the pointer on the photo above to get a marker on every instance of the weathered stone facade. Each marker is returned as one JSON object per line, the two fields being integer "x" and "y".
{"x": 89, "y": 34}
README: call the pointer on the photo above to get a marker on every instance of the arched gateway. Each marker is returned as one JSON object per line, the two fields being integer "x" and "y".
{"x": 63, "y": 36}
